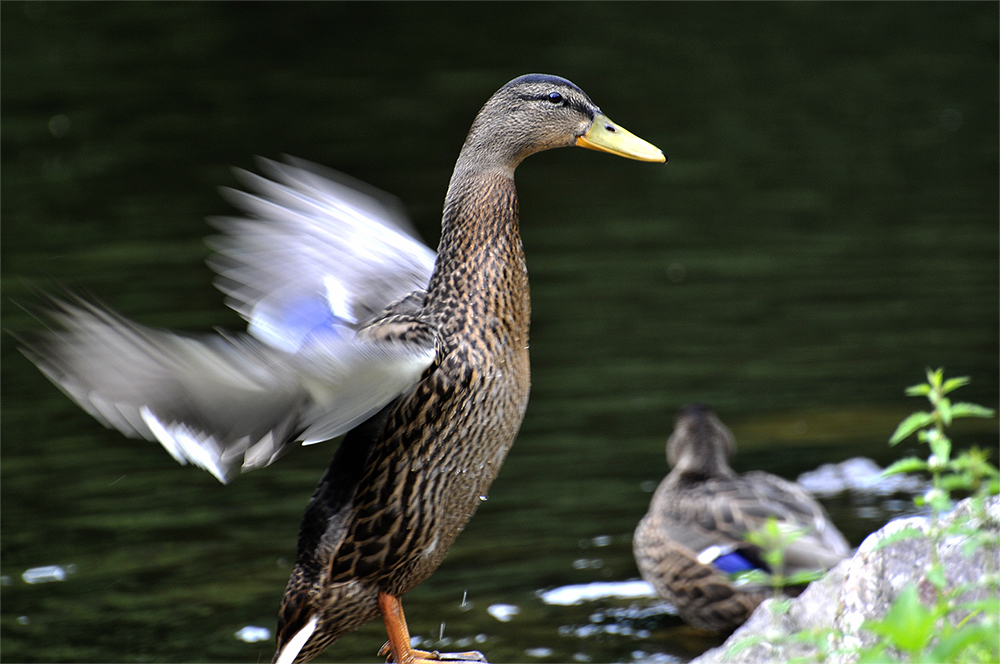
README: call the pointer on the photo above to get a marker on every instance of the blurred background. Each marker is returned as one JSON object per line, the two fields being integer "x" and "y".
{"x": 826, "y": 228}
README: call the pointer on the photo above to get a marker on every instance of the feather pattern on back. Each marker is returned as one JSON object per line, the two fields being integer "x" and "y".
{"x": 694, "y": 533}
{"x": 353, "y": 326}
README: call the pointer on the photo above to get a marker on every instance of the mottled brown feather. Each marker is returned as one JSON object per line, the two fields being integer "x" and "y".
{"x": 703, "y": 503}
{"x": 403, "y": 485}
{"x": 432, "y": 453}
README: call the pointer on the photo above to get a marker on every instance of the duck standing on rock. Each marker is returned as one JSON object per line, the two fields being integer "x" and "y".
{"x": 355, "y": 327}
{"x": 694, "y": 534}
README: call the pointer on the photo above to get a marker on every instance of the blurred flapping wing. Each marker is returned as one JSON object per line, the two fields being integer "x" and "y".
{"x": 317, "y": 261}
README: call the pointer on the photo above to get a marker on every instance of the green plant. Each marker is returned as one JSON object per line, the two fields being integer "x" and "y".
{"x": 927, "y": 633}
{"x": 943, "y": 628}
{"x": 970, "y": 470}
{"x": 774, "y": 538}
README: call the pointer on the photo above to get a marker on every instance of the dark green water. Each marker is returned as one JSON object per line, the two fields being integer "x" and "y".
{"x": 827, "y": 227}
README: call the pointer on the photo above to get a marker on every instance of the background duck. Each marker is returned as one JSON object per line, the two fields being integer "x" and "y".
{"x": 693, "y": 535}
{"x": 353, "y": 326}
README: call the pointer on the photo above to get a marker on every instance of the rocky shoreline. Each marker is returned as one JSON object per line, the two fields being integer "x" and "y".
{"x": 862, "y": 588}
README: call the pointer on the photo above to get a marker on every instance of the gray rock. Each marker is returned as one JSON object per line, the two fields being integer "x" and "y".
{"x": 859, "y": 475}
{"x": 862, "y": 588}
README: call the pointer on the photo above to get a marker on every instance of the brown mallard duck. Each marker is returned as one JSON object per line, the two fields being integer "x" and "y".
{"x": 355, "y": 327}
{"x": 693, "y": 536}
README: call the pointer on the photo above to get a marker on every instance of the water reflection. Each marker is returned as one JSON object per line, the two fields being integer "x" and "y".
{"x": 47, "y": 574}
{"x": 575, "y": 594}
{"x": 859, "y": 475}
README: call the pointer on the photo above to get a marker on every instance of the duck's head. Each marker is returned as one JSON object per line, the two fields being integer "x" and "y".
{"x": 701, "y": 445}
{"x": 538, "y": 112}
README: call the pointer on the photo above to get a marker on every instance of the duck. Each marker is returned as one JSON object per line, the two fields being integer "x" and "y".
{"x": 355, "y": 328}
{"x": 694, "y": 535}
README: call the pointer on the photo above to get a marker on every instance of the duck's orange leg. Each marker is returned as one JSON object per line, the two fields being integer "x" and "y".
{"x": 398, "y": 647}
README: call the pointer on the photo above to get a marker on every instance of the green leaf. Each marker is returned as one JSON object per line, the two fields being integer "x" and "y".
{"x": 975, "y": 461}
{"x": 941, "y": 447}
{"x": 964, "y": 409}
{"x": 818, "y": 637}
{"x": 921, "y": 390}
{"x": 756, "y": 577}
{"x": 954, "y": 384}
{"x": 907, "y": 465}
{"x": 742, "y": 645}
{"x": 950, "y": 647}
{"x": 773, "y": 557}
{"x": 874, "y": 655}
{"x": 936, "y": 576}
{"x": 944, "y": 407}
{"x": 954, "y": 482}
{"x": 935, "y": 377}
{"x": 915, "y": 421}
{"x": 803, "y": 577}
{"x": 908, "y": 624}
{"x": 903, "y": 533}
{"x": 938, "y": 499}
{"x": 781, "y": 607}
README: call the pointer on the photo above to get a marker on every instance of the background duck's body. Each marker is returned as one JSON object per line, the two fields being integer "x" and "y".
{"x": 694, "y": 534}
{"x": 351, "y": 331}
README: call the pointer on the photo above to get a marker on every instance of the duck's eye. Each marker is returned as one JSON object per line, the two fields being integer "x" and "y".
{"x": 555, "y": 97}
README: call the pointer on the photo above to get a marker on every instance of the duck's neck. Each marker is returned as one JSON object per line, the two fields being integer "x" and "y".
{"x": 480, "y": 270}
{"x": 705, "y": 464}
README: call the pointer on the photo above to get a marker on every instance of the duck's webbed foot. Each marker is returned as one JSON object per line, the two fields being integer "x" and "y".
{"x": 432, "y": 656}
{"x": 397, "y": 649}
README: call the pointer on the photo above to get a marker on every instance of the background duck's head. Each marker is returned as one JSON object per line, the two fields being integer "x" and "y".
{"x": 701, "y": 445}
{"x": 538, "y": 112}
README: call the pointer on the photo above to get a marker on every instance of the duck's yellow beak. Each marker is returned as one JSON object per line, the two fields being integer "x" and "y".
{"x": 606, "y": 136}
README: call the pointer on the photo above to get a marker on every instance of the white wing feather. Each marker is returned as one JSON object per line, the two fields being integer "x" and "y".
{"x": 317, "y": 260}
{"x": 313, "y": 251}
